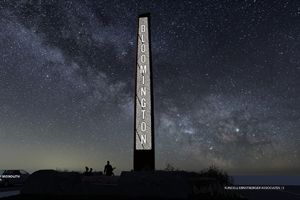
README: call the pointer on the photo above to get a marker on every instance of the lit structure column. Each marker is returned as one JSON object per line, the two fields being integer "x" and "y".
{"x": 143, "y": 114}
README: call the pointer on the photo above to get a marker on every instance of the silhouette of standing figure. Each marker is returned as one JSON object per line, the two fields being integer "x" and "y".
{"x": 86, "y": 173}
{"x": 91, "y": 171}
{"x": 108, "y": 169}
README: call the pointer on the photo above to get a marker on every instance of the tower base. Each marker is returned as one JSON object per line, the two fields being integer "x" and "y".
{"x": 143, "y": 160}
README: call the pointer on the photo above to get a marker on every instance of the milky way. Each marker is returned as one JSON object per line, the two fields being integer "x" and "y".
{"x": 226, "y": 84}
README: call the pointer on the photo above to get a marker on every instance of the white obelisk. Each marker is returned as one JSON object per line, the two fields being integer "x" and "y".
{"x": 144, "y": 121}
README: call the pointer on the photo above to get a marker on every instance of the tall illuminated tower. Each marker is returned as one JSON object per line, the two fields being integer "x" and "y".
{"x": 143, "y": 114}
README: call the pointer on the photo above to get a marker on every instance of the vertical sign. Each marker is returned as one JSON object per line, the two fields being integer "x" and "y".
{"x": 143, "y": 120}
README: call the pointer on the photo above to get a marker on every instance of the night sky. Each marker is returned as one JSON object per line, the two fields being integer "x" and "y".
{"x": 226, "y": 84}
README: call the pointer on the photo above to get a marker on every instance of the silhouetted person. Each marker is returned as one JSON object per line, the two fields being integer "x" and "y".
{"x": 91, "y": 171}
{"x": 86, "y": 171}
{"x": 108, "y": 169}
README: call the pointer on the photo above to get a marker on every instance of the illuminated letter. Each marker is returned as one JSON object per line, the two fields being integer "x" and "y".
{"x": 143, "y": 48}
{"x": 143, "y": 126}
{"x": 143, "y": 58}
{"x": 143, "y": 103}
{"x": 143, "y": 139}
{"x": 143, "y": 91}
{"x": 143, "y": 69}
{"x": 142, "y": 38}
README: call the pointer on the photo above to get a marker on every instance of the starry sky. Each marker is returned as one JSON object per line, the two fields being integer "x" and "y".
{"x": 226, "y": 84}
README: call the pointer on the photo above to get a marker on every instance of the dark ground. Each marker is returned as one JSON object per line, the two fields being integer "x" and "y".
{"x": 141, "y": 185}
{"x": 289, "y": 193}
